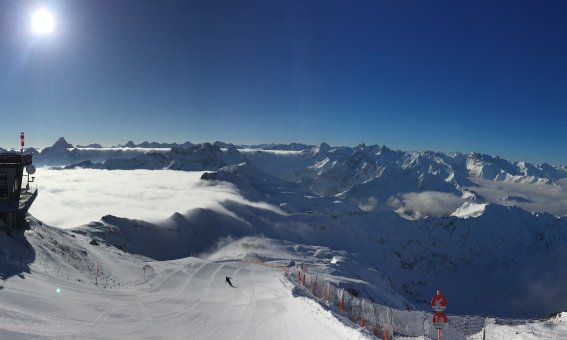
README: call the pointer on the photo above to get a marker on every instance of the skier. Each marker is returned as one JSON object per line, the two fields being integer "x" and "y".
{"x": 227, "y": 280}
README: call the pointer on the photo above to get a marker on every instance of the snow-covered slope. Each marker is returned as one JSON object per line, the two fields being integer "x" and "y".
{"x": 48, "y": 290}
{"x": 507, "y": 256}
{"x": 50, "y": 293}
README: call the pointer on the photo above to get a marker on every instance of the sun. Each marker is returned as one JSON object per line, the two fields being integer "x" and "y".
{"x": 43, "y": 22}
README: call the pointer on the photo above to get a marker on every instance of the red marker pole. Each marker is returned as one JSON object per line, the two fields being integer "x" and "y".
{"x": 440, "y": 320}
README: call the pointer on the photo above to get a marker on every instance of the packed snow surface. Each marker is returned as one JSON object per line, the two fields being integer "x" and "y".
{"x": 178, "y": 299}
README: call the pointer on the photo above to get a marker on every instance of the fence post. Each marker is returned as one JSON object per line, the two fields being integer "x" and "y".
{"x": 314, "y": 288}
{"x": 97, "y": 269}
{"x": 391, "y": 317}
{"x": 423, "y": 323}
{"x": 340, "y": 297}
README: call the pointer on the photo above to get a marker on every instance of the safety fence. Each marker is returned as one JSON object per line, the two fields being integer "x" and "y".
{"x": 382, "y": 321}
{"x": 386, "y": 322}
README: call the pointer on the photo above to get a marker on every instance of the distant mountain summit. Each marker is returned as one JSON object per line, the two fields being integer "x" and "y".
{"x": 61, "y": 143}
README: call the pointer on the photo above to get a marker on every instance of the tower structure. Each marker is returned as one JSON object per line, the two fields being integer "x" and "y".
{"x": 15, "y": 200}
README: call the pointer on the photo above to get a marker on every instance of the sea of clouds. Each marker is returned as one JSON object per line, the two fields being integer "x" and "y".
{"x": 70, "y": 198}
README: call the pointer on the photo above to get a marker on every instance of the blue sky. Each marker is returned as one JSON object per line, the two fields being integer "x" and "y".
{"x": 487, "y": 76}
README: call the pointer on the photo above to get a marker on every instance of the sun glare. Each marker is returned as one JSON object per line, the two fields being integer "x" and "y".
{"x": 43, "y": 22}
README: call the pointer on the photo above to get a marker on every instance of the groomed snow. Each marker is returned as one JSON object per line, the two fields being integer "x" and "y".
{"x": 182, "y": 299}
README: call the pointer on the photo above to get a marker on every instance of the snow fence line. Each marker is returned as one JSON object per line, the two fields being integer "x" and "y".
{"x": 382, "y": 321}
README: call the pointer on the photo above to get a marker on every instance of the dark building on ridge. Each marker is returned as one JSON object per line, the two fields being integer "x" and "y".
{"x": 15, "y": 200}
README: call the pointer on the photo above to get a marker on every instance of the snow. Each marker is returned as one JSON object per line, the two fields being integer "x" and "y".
{"x": 469, "y": 209}
{"x": 554, "y": 328}
{"x": 178, "y": 299}
{"x": 520, "y": 251}
{"x": 537, "y": 197}
{"x": 371, "y": 177}
{"x": 341, "y": 210}
{"x": 53, "y": 294}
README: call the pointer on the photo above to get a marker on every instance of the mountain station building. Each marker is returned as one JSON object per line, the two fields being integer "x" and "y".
{"x": 15, "y": 200}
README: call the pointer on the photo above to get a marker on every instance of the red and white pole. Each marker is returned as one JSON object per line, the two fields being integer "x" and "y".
{"x": 440, "y": 320}
{"x": 22, "y": 142}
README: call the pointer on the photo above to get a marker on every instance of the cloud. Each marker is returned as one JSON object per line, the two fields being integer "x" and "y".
{"x": 369, "y": 205}
{"x": 252, "y": 247}
{"x": 550, "y": 198}
{"x": 428, "y": 203}
{"x": 69, "y": 198}
{"x": 536, "y": 197}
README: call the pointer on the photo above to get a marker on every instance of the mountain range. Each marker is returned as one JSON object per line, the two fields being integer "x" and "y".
{"x": 491, "y": 232}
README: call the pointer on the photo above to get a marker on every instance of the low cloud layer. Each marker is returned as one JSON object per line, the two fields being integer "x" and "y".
{"x": 429, "y": 203}
{"x": 531, "y": 197}
{"x": 550, "y": 198}
{"x": 69, "y": 198}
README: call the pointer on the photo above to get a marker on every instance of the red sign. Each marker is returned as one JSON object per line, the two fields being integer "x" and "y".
{"x": 440, "y": 320}
{"x": 438, "y": 303}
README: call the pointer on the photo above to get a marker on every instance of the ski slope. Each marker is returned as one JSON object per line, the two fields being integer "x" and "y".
{"x": 182, "y": 299}
{"x": 48, "y": 291}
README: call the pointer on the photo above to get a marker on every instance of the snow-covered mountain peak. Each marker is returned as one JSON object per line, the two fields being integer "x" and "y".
{"x": 469, "y": 209}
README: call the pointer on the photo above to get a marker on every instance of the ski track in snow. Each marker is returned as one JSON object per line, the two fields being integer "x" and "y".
{"x": 192, "y": 302}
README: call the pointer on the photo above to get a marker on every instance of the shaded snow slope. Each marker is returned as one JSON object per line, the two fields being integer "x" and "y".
{"x": 510, "y": 258}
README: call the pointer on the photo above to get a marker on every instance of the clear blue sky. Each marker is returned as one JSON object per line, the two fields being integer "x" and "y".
{"x": 487, "y": 76}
